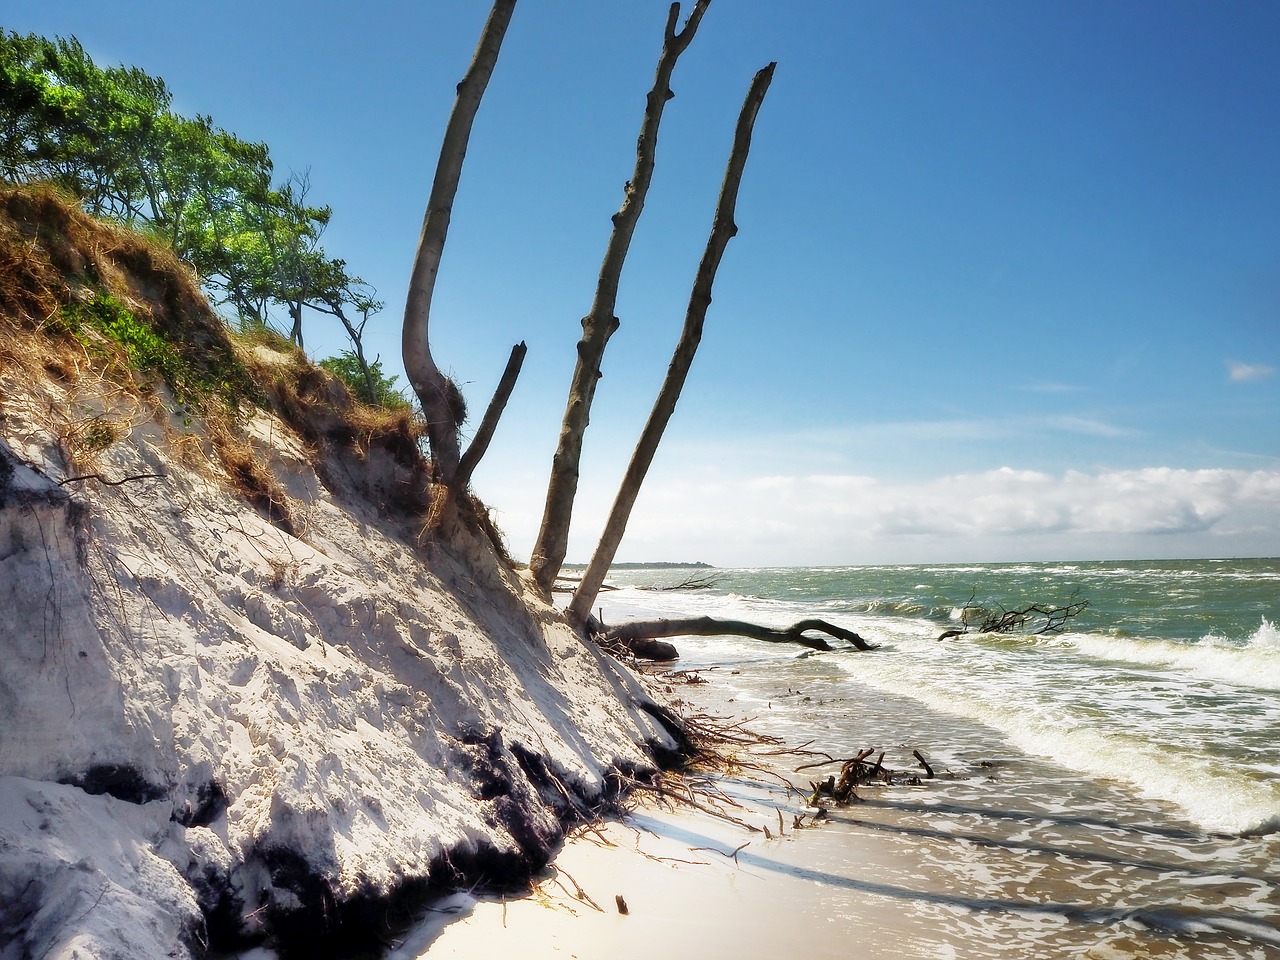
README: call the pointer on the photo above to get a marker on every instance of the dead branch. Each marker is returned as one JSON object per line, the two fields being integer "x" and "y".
{"x": 722, "y": 230}
{"x": 928, "y": 770}
{"x": 600, "y": 323}
{"x": 480, "y": 443}
{"x": 689, "y": 801}
{"x": 565, "y": 583}
{"x": 731, "y": 855}
{"x": 434, "y": 391}
{"x": 855, "y": 772}
{"x": 695, "y": 581}
{"x": 579, "y": 893}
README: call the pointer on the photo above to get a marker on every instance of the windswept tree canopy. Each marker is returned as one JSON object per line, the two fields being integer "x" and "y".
{"x": 108, "y": 136}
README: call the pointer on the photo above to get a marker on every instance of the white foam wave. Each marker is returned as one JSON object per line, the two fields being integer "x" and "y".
{"x": 1266, "y": 637}
{"x": 1221, "y": 798}
{"x": 1254, "y": 664}
{"x": 1218, "y": 800}
{"x": 1111, "y": 707}
{"x": 634, "y": 603}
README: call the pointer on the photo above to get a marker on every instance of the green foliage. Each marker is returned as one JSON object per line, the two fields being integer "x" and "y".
{"x": 193, "y": 382}
{"x": 108, "y": 136}
{"x": 146, "y": 351}
{"x": 348, "y": 368}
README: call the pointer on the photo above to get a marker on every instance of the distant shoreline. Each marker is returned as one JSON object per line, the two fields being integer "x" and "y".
{"x": 657, "y": 565}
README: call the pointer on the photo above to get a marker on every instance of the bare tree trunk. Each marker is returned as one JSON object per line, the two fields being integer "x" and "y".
{"x": 480, "y": 443}
{"x": 295, "y": 313}
{"x": 357, "y": 342}
{"x": 425, "y": 377}
{"x": 599, "y": 325}
{"x": 722, "y": 230}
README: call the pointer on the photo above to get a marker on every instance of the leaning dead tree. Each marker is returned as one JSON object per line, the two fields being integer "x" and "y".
{"x": 441, "y": 403}
{"x": 723, "y": 229}
{"x": 1033, "y": 620}
{"x": 599, "y": 325}
{"x": 639, "y": 637}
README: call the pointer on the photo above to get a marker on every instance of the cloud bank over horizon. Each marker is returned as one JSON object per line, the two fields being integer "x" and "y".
{"x": 998, "y": 514}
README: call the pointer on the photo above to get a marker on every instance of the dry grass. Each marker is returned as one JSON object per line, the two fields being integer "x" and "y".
{"x": 249, "y": 475}
{"x": 54, "y": 257}
{"x": 37, "y": 258}
{"x": 477, "y": 515}
{"x": 58, "y": 265}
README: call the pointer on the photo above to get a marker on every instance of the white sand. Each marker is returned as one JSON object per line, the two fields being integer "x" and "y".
{"x": 331, "y": 685}
{"x": 684, "y": 901}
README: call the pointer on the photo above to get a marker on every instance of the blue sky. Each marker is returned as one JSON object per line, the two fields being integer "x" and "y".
{"x": 1007, "y": 282}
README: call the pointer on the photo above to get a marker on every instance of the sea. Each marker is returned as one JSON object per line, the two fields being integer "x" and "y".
{"x": 1110, "y": 789}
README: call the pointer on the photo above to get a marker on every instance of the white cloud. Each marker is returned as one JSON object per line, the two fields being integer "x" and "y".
{"x": 995, "y": 514}
{"x": 1248, "y": 372}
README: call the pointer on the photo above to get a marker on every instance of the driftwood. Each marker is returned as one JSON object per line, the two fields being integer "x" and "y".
{"x": 856, "y": 771}
{"x": 693, "y": 582}
{"x": 642, "y": 637}
{"x": 928, "y": 770}
{"x": 565, "y": 584}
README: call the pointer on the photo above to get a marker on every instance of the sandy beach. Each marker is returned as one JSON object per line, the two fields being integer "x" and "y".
{"x": 684, "y": 887}
{"x": 705, "y": 902}
{"x": 972, "y": 864}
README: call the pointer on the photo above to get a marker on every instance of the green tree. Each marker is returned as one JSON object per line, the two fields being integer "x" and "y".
{"x": 108, "y": 136}
{"x": 366, "y": 382}
{"x": 64, "y": 119}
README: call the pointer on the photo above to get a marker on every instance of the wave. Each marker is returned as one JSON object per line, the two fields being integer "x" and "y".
{"x": 1187, "y": 721}
{"x": 1217, "y": 797}
{"x": 1266, "y": 637}
{"x": 1253, "y": 663}
{"x": 1231, "y": 795}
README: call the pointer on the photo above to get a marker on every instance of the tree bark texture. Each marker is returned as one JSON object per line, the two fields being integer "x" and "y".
{"x": 480, "y": 442}
{"x": 599, "y": 325}
{"x": 723, "y": 229}
{"x": 425, "y": 377}
{"x": 643, "y": 630}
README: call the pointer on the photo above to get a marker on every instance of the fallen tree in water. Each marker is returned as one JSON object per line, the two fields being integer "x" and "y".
{"x": 692, "y": 582}
{"x": 643, "y": 638}
{"x": 1034, "y": 619}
